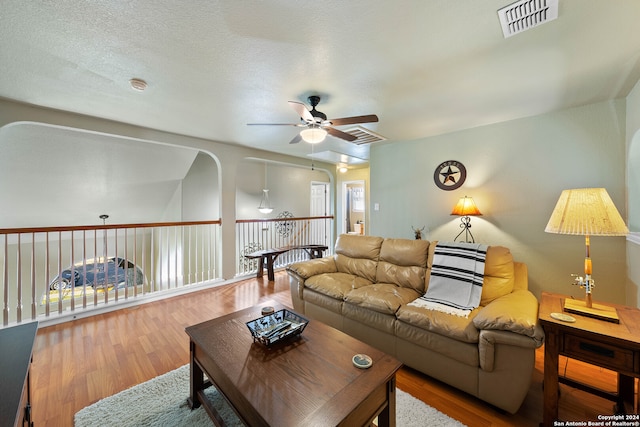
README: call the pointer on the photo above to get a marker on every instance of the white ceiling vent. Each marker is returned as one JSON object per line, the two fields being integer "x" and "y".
{"x": 526, "y": 14}
{"x": 365, "y": 136}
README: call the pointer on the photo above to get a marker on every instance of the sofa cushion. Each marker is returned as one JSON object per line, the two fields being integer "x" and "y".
{"x": 499, "y": 274}
{"x": 456, "y": 327}
{"x": 364, "y": 268}
{"x": 403, "y": 262}
{"x": 336, "y": 285}
{"x": 355, "y": 246}
{"x": 384, "y": 298}
{"x": 358, "y": 255}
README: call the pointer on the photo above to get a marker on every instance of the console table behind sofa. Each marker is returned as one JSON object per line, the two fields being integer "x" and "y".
{"x": 267, "y": 257}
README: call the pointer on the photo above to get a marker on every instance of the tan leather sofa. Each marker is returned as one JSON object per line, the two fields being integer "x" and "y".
{"x": 364, "y": 290}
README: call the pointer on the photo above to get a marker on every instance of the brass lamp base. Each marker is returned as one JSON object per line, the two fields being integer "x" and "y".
{"x": 597, "y": 311}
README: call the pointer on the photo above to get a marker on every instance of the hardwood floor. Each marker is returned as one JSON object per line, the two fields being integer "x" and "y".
{"x": 78, "y": 363}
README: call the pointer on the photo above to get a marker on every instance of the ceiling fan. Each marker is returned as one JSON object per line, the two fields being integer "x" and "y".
{"x": 316, "y": 124}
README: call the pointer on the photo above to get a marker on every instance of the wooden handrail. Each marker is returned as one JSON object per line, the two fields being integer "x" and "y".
{"x": 303, "y": 218}
{"x": 103, "y": 227}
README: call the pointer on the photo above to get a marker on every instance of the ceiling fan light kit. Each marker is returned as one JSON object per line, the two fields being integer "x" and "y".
{"x": 313, "y": 135}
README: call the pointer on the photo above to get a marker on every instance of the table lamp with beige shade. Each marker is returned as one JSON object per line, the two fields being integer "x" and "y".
{"x": 587, "y": 212}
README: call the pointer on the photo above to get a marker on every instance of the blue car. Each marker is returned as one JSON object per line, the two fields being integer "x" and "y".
{"x": 117, "y": 272}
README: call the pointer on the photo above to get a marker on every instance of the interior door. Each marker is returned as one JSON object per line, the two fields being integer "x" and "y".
{"x": 319, "y": 229}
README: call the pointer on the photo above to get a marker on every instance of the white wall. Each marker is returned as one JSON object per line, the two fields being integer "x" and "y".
{"x": 515, "y": 172}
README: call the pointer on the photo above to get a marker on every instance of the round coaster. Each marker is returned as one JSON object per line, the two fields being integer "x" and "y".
{"x": 563, "y": 317}
{"x": 362, "y": 361}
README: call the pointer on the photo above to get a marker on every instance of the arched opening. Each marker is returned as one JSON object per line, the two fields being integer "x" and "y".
{"x": 105, "y": 212}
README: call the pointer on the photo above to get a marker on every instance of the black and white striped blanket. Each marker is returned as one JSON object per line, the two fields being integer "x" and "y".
{"x": 457, "y": 275}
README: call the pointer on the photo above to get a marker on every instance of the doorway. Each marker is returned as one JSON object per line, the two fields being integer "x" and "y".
{"x": 353, "y": 207}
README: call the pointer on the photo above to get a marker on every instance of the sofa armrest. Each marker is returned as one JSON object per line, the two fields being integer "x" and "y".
{"x": 313, "y": 267}
{"x": 515, "y": 312}
{"x": 490, "y": 339}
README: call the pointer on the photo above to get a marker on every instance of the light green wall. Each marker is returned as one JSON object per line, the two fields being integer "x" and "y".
{"x": 633, "y": 156}
{"x": 633, "y": 272}
{"x": 633, "y": 191}
{"x": 515, "y": 172}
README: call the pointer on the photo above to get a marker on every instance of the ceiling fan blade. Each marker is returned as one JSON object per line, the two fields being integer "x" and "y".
{"x": 296, "y": 139}
{"x": 302, "y": 111}
{"x": 353, "y": 120}
{"x": 339, "y": 134}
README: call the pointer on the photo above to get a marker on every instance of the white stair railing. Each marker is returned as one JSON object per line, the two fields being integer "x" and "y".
{"x": 55, "y": 271}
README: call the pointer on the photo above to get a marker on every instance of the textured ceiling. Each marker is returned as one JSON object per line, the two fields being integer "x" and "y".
{"x": 425, "y": 67}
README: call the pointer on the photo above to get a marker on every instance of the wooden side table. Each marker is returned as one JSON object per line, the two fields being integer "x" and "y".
{"x": 597, "y": 342}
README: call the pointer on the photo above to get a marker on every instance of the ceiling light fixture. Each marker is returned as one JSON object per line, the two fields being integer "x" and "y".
{"x": 265, "y": 204}
{"x": 138, "y": 84}
{"x": 313, "y": 135}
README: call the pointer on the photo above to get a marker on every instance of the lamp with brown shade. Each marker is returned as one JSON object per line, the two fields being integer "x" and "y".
{"x": 465, "y": 207}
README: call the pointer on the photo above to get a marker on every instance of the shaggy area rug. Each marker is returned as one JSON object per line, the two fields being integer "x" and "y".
{"x": 162, "y": 401}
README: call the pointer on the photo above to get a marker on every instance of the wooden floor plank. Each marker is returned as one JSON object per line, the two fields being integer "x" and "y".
{"x": 80, "y": 362}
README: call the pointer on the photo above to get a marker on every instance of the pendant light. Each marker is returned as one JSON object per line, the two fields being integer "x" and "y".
{"x": 265, "y": 205}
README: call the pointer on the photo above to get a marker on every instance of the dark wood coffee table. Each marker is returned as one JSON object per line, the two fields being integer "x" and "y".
{"x": 308, "y": 381}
